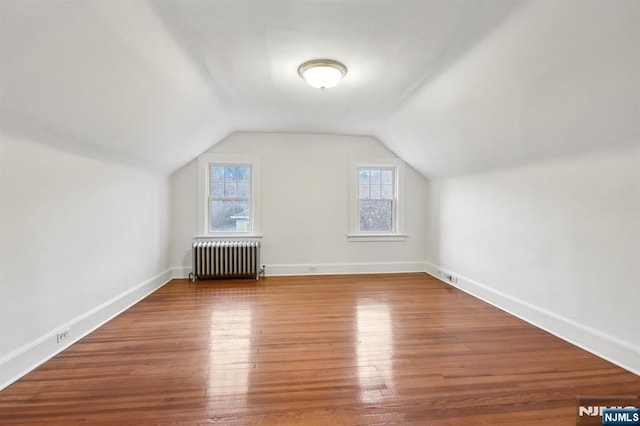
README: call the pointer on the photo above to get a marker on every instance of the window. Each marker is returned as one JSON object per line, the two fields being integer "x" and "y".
{"x": 228, "y": 195}
{"x": 377, "y": 209}
{"x": 376, "y": 199}
{"x": 229, "y": 198}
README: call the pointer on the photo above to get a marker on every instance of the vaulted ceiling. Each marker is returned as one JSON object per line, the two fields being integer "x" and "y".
{"x": 451, "y": 86}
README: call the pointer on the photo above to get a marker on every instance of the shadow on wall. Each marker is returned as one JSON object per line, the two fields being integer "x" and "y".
{"x": 433, "y": 210}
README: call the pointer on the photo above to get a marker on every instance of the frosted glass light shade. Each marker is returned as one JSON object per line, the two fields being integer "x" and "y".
{"x": 322, "y": 73}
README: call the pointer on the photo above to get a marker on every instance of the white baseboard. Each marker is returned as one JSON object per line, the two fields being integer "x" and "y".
{"x": 610, "y": 348}
{"x": 344, "y": 268}
{"x": 274, "y": 270}
{"x": 21, "y": 361}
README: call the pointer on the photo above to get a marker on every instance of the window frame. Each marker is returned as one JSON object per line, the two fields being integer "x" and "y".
{"x": 205, "y": 163}
{"x": 398, "y": 215}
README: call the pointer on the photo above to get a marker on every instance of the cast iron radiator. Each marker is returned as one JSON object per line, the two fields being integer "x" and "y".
{"x": 226, "y": 259}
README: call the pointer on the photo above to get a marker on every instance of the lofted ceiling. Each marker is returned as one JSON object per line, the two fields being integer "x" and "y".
{"x": 451, "y": 86}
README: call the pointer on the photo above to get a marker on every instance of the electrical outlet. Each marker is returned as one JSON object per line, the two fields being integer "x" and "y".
{"x": 63, "y": 335}
{"x": 450, "y": 278}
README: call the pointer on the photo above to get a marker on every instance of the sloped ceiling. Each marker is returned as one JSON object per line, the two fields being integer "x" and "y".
{"x": 451, "y": 86}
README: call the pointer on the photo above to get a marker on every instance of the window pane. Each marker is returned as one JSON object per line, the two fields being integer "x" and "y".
{"x": 363, "y": 176}
{"x": 386, "y": 192}
{"x": 386, "y": 176}
{"x": 230, "y": 189}
{"x": 231, "y": 173}
{"x": 221, "y": 211}
{"x": 242, "y": 217}
{"x": 243, "y": 190}
{"x": 375, "y": 176}
{"x": 230, "y": 216}
{"x": 217, "y": 173}
{"x": 364, "y": 192}
{"x": 244, "y": 173}
{"x": 375, "y": 192}
{"x": 217, "y": 189}
{"x": 376, "y": 215}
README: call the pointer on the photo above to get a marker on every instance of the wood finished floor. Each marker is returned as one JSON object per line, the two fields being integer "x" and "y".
{"x": 339, "y": 350}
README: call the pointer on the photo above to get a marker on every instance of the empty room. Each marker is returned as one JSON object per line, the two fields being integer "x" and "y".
{"x": 344, "y": 212}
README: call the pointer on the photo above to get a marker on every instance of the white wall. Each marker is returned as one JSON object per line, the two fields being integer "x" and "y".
{"x": 305, "y": 206}
{"x": 80, "y": 239}
{"x": 557, "y": 243}
{"x": 554, "y": 79}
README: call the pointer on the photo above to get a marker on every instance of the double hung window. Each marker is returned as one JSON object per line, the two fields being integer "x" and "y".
{"x": 228, "y": 200}
{"x": 377, "y": 200}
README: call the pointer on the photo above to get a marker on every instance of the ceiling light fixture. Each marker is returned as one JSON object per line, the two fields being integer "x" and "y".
{"x": 322, "y": 73}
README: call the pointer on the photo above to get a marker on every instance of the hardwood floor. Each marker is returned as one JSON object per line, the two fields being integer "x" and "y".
{"x": 340, "y": 350}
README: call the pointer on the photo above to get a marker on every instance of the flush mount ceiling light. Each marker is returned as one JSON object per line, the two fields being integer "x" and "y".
{"x": 322, "y": 73}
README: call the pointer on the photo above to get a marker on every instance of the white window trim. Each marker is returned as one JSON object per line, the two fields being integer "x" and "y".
{"x": 204, "y": 161}
{"x": 398, "y": 234}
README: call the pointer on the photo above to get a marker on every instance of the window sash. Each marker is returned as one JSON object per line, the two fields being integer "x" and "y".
{"x": 205, "y": 161}
{"x": 231, "y": 205}
{"x": 377, "y": 199}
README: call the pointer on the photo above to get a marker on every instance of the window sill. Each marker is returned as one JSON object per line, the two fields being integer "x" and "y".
{"x": 236, "y": 237}
{"x": 376, "y": 237}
